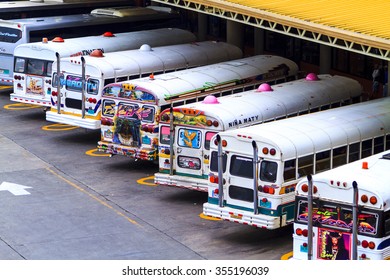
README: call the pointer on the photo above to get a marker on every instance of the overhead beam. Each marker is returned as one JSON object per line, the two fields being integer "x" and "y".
{"x": 327, "y": 35}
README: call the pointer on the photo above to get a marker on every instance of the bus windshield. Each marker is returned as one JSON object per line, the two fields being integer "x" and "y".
{"x": 337, "y": 216}
{"x": 10, "y": 35}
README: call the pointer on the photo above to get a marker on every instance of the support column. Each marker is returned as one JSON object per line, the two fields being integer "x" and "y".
{"x": 202, "y": 27}
{"x": 259, "y": 34}
{"x": 235, "y": 34}
{"x": 325, "y": 59}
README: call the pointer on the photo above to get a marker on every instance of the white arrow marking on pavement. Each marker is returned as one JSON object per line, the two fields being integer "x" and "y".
{"x": 15, "y": 189}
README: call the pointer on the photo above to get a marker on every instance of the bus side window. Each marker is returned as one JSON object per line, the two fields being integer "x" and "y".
{"x": 354, "y": 152}
{"x": 19, "y": 65}
{"x": 207, "y": 139}
{"x": 108, "y": 108}
{"x": 93, "y": 86}
{"x": 148, "y": 113}
{"x": 339, "y": 156}
{"x": 109, "y": 81}
{"x": 289, "y": 170}
{"x": 165, "y": 135}
{"x": 305, "y": 165}
{"x": 322, "y": 161}
{"x": 49, "y": 68}
{"x": 121, "y": 79}
{"x": 366, "y": 148}
{"x": 268, "y": 171}
{"x": 379, "y": 144}
{"x": 214, "y": 162}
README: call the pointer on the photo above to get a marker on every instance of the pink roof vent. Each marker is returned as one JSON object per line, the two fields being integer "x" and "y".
{"x": 210, "y": 99}
{"x": 264, "y": 87}
{"x": 312, "y": 77}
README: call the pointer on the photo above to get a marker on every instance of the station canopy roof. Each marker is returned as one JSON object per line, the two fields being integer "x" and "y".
{"x": 361, "y": 26}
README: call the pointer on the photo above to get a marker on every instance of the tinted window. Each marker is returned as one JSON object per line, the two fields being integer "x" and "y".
{"x": 241, "y": 167}
{"x": 268, "y": 171}
{"x": 214, "y": 162}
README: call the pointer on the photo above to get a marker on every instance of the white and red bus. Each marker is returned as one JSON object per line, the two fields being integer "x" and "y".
{"x": 358, "y": 191}
{"x": 131, "y": 109}
{"x": 83, "y": 107}
{"x": 184, "y": 157}
{"x": 33, "y": 68}
{"x": 15, "y": 32}
{"x": 254, "y": 170}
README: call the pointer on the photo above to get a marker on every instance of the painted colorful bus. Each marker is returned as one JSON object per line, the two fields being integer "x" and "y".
{"x": 83, "y": 108}
{"x": 131, "y": 109}
{"x": 358, "y": 191}
{"x": 20, "y": 31}
{"x": 254, "y": 170}
{"x": 34, "y": 61}
{"x": 195, "y": 124}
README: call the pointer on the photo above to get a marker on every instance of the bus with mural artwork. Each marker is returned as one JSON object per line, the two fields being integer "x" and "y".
{"x": 34, "y": 61}
{"x": 15, "y": 32}
{"x": 83, "y": 107}
{"x": 184, "y": 151}
{"x": 254, "y": 170}
{"x": 131, "y": 109}
{"x": 355, "y": 191}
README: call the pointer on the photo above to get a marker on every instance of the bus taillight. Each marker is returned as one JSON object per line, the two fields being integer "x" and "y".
{"x": 213, "y": 179}
{"x": 366, "y": 244}
{"x": 301, "y": 232}
{"x": 305, "y": 188}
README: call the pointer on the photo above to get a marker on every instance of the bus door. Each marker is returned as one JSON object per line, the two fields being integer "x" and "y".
{"x": 240, "y": 182}
{"x": 72, "y": 92}
{"x": 188, "y": 151}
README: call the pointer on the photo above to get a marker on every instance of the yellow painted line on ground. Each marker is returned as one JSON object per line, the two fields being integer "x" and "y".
{"x": 58, "y": 127}
{"x": 5, "y": 87}
{"x": 21, "y": 106}
{"x": 96, "y": 153}
{"x": 93, "y": 197}
{"x": 287, "y": 256}
{"x": 203, "y": 216}
{"x": 142, "y": 181}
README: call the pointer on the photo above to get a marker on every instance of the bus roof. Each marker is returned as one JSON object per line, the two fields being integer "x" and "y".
{"x": 315, "y": 132}
{"x": 93, "y": 18}
{"x": 146, "y": 59}
{"x": 241, "y": 109}
{"x": 127, "y": 40}
{"x": 371, "y": 175}
{"x": 169, "y": 86}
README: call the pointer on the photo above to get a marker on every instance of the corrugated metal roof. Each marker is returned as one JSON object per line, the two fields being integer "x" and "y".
{"x": 360, "y": 26}
{"x": 361, "y": 16}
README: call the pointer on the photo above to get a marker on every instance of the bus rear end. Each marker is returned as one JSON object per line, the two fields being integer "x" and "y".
{"x": 11, "y": 34}
{"x": 358, "y": 190}
{"x": 240, "y": 197}
{"x": 129, "y": 124}
{"x": 71, "y": 110}
{"x": 32, "y": 76}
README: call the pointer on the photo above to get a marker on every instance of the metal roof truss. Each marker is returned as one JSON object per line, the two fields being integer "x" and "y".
{"x": 308, "y": 32}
